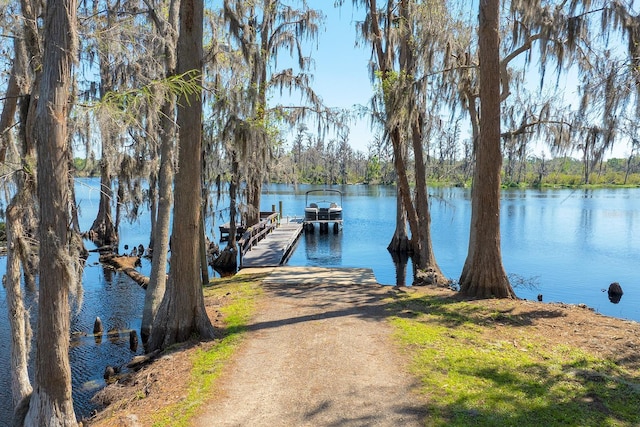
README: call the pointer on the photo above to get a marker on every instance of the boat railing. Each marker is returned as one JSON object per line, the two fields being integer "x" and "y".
{"x": 255, "y": 233}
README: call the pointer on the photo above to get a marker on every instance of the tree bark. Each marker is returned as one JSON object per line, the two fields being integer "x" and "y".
{"x": 18, "y": 316}
{"x": 51, "y": 402}
{"x": 426, "y": 257}
{"x": 28, "y": 104}
{"x": 483, "y": 274}
{"x": 254, "y": 196}
{"x": 227, "y": 261}
{"x": 400, "y": 242}
{"x": 12, "y": 94}
{"x": 260, "y": 151}
{"x": 232, "y": 242}
{"x": 182, "y": 314}
{"x": 158, "y": 278}
{"x": 16, "y": 243}
{"x": 103, "y": 231}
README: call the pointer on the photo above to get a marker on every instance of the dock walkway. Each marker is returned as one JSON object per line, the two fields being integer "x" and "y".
{"x": 274, "y": 249}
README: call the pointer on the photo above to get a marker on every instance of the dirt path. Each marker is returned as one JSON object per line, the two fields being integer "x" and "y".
{"x": 319, "y": 353}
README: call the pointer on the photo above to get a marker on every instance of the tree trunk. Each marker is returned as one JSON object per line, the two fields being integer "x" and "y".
{"x": 586, "y": 161}
{"x": 158, "y": 277}
{"x": 29, "y": 178}
{"x": 483, "y": 274}
{"x": 16, "y": 243}
{"x": 232, "y": 242}
{"x": 403, "y": 181}
{"x": 18, "y": 315}
{"x": 51, "y": 402}
{"x": 75, "y": 216}
{"x": 182, "y": 313}
{"x": 627, "y": 167}
{"x": 398, "y": 93}
{"x": 31, "y": 13}
{"x": 120, "y": 200}
{"x": 153, "y": 204}
{"x": 420, "y": 231}
{"x": 12, "y": 94}
{"x": 253, "y": 202}
{"x": 103, "y": 231}
{"x": 160, "y": 236}
{"x": 227, "y": 261}
{"x": 472, "y": 108}
{"x": 424, "y": 258}
{"x": 260, "y": 151}
{"x": 29, "y": 82}
{"x": 400, "y": 242}
{"x": 204, "y": 268}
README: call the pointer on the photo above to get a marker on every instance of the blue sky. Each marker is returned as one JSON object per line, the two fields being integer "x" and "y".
{"x": 341, "y": 76}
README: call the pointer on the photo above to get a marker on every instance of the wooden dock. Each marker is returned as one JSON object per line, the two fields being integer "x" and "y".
{"x": 241, "y": 229}
{"x": 275, "y": 248}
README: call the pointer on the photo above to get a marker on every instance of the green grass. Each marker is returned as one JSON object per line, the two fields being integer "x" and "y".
{"x": 471, "y": 371}
{"x": 240, "y": 293}
{"x": 471, "y": 376}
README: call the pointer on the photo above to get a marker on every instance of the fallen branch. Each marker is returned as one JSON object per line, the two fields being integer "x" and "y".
{"x": 126, "y": 264}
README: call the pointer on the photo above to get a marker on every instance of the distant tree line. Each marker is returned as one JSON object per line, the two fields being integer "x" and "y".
{"x": 316, "y": 162}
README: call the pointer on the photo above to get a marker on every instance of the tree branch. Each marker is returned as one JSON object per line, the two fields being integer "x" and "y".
{"x": 524, "y": 128}
{"x": 505, "y": 80}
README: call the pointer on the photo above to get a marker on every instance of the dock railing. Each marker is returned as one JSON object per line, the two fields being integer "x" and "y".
{"x": 255, "y": 233}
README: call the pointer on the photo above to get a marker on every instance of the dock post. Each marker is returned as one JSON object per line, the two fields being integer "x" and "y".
{"x": 280, "y": 206}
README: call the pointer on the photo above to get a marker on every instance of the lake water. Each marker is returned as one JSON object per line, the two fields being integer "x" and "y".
{"x": 571, "y": 244}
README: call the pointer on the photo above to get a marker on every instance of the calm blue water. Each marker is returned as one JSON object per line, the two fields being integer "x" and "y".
{"x": 571, "y": 243}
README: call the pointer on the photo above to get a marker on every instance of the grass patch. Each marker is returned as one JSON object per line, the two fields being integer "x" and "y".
{"x": 238, "y": 295}
{"x": 483, "y": 367}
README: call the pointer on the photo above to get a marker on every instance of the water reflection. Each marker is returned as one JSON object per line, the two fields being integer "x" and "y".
{"x": 615, "y": 298}
{"x": 615, "y": 292}
{"x": 323, "y": 248}
{"x": 118, "y": 301}
{"x": 401, "y": 261}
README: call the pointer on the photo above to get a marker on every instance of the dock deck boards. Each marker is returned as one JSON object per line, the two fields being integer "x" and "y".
{"x": 271, "y": 251}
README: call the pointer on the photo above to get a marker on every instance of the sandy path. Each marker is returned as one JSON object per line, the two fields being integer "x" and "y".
{"x": 318, "y": 354}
